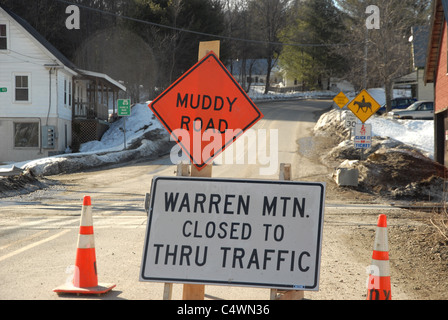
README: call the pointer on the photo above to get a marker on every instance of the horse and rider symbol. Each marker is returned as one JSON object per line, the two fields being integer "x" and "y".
{"x": 363, "y": 105}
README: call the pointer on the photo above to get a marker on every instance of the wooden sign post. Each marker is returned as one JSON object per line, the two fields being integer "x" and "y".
{"x": 248, "y": 114}
{"x": 205, "y": 110}
{"x": 197, "y": 291}
{"x": 285, "y": 174}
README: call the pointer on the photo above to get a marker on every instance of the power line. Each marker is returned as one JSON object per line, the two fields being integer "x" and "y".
{"x": 202, "y": 33}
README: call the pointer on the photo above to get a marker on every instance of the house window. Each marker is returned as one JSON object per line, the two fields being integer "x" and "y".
{"x": 26, "y": 134}
{"x": 70, "y": 94}
{"x": 65, "y": 92}
{"x": 22, "y": 88}
{"x": 3, "y": 37}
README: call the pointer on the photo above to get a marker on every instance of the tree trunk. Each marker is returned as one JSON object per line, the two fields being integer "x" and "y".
{"x": 268, "y": 75}
{"x": 389, "y": 94}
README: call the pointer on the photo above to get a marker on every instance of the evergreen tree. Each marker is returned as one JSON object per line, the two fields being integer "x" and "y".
{"x": 112, "y": 44}
{"x": 176, "y": 50}
{"x": 316, "y": 24}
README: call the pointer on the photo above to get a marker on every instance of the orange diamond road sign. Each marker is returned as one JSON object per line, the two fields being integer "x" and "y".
{"x": 205, "y": 110}
{"x": 341, "y": 100}
{"x": 363, "y": 106}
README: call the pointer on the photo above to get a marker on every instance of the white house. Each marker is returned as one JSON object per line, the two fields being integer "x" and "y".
{"x": 47, "y": 104}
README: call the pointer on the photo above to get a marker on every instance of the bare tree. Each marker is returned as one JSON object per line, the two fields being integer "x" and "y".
{"x": 174, "y": 9}
{"x": 380, "y": 53}
{"x": 121, "y": 54}
{"x": 269, "y": 19}
{"x": 238, "y": 26}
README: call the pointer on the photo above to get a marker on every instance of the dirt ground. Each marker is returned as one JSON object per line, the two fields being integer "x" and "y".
{"x": 418, "y": 247}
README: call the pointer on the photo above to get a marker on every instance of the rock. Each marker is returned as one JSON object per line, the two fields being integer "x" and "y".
{"x": 347, "y": 174}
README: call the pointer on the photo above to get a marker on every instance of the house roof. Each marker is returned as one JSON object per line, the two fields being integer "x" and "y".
{"x": 41, "y": 39}
{"x": 419, "y": 45}
{"x": 408, "y": 79}
{"x": 56, "y": 53}
{"x": 433, "y": 50}
{"x": 91, "y": 74}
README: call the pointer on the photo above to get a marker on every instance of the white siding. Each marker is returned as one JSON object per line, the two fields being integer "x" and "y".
{"x": 64, "y": 108}
{"x": 45, "y": 105}
{"x": 424, "y": 91}
{"x": 23, "y": 57}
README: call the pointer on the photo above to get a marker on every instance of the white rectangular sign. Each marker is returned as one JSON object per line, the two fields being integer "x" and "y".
{"x": 350, "y": 120}
{"x": 363, "y": 136}
{"x": 234, "y": 232}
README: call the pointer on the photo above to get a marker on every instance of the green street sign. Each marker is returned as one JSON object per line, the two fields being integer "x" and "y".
{"x": 124, "y": 107}
{"x": 3, "y": 89}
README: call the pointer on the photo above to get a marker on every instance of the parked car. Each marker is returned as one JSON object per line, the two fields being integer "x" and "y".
{"x": 397, "y": 103}
{"x": 418, "y": 110}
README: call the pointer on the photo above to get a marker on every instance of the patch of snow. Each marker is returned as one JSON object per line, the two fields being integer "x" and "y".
{"x": 415, "y": 133}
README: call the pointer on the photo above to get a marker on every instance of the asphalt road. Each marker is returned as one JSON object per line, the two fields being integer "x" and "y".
{"x": 38, "y": 232}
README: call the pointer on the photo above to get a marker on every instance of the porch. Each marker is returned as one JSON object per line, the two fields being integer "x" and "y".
{"x": 95, "y": 96}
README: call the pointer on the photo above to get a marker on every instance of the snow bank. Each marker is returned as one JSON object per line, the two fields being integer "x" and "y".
{"x": 143, "y": 131}
{"x": 141, "y": 120}
{"x": 82, "y": 161}
{"x": 256, "y": 93}
{"x": 399, "y": 164}
{"x": 415, "y": 133}
{"x": 418, "y": 134}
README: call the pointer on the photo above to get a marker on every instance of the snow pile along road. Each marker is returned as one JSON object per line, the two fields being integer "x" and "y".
{"x": 145, "y": 137}
{"x": 399, "y": 164}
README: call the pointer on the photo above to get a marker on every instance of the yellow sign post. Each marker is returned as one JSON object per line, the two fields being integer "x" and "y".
{"x": 341, "y": 100}
{"x": 363, "y": 106}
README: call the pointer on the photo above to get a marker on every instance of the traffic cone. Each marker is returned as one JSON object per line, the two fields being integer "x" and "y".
{"x": 378, "y": 287}
{"x": 85, "y": 279}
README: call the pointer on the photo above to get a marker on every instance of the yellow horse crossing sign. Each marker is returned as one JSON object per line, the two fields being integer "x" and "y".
{"x": 363, "y": 106}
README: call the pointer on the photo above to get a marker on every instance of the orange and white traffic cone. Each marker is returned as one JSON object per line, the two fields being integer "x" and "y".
{"x": 85, "y": 279}
{"x": 378, "y": 287}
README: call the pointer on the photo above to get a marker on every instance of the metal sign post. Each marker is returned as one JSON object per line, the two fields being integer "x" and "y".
{"x": 124, "y": 110}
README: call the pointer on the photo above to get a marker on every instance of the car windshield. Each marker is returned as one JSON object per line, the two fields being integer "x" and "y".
{"x": 413, "y": 106}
